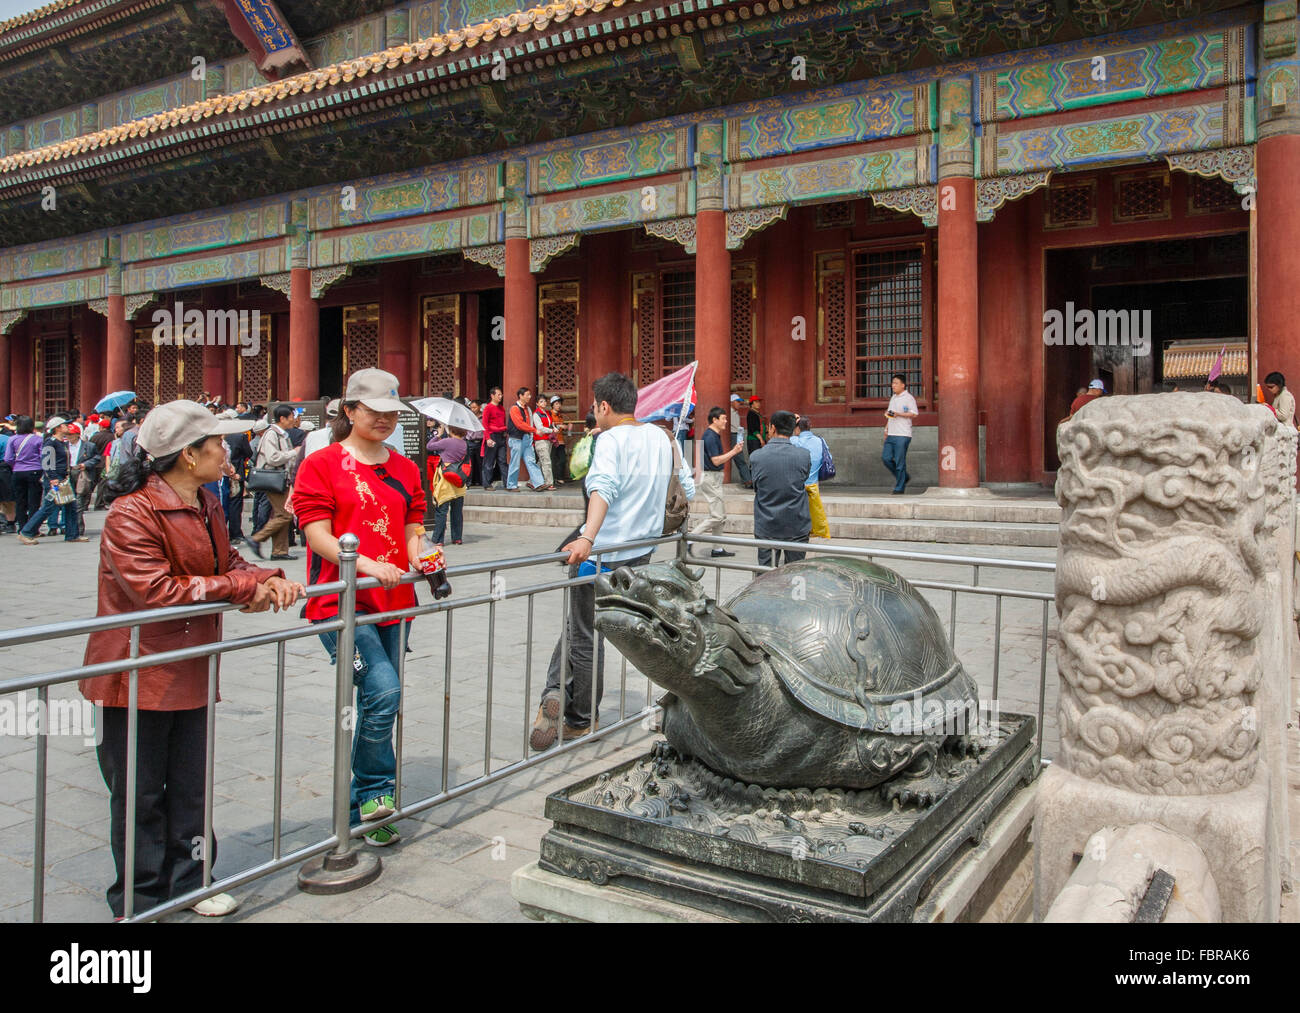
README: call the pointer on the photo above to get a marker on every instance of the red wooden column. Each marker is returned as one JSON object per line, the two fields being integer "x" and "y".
{"x": 957, "y": 353}
{"x": 21, "y": 382}
{"x": 1008, "y": 345}
{"x": 398, "y": 334}
{"x": 603, "y": 336}
{"x": 520, "y": 353}
{"x": 712, "y": 311}
{"x": 91, "y": 359}
{"x": 304, "y": 337}
{"x": 6, "y": 398}
{"x": 119, "y": 366}
{"x": 1277, "y": 221}
{"x": 784, "y": 380}
{"x": 215, "y": 379}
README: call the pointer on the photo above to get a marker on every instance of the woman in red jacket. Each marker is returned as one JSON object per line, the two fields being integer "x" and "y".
{"x": 358, "y": 485}
{"x": 165, "y": 543}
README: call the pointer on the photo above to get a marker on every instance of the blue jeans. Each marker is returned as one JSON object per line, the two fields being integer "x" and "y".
{"x": 455, "y": 507}
{"x": 894, "y": 455}
{"x": 49, "y": 510}
{"x": 374, "y": 764}
{"x": 522, "y": 448}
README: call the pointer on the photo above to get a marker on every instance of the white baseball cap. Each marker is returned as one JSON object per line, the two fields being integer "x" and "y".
{"x": 374, "y": 388}
{"x": 1097, "y": 385}
{"x": 175, "y": 425}
{"x": 736, "y": 397}
{"x": 55, "y": 422}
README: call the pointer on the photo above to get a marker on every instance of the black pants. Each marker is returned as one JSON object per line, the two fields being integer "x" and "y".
{"x": 169, "y": 803}
{"x": 235, "y": 514}
{"x": 765, "y": 555}
{"x": 494, "y": 460}
{"x": 559, "y": 462}
{"x": 261, "y": 510}
{"x": 472, "y": 448}
{"x": 27, "y": 496}
{"x": 582, "y": 627}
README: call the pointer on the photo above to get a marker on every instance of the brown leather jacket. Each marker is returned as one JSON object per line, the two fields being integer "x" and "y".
{"x": 155, "y": 552}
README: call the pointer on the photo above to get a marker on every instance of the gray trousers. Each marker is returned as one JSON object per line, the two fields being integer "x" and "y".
{"x": 581, "y": 626}
{"x": 783, "y": 556}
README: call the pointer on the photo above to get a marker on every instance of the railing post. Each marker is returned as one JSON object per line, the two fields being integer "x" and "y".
{"x": 345, "y": 868}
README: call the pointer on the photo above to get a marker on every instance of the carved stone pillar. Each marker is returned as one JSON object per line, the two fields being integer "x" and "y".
{"x": 1168, "y": 638}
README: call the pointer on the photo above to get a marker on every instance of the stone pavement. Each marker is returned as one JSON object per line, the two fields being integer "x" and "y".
{"x": 455, "y": 860}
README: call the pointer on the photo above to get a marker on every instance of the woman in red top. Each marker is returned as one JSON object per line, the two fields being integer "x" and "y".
{"x": 358, "y": 485}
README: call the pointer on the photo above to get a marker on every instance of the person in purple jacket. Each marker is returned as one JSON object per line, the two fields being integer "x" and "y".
{"x": 23, "y": 455}
{"x": 450, "y": 448}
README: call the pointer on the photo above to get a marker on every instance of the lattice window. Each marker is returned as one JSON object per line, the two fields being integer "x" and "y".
{"x": 1207, "y": 195}
{"x": 1071, "y": 203}
{"x": 255, "y": 370}
{"x": 838, "y": 215}
{"x": 146, "y": 365}
{"x": 832, "y": 320}
{"x": 678, "y": 322}
{"x": 889, "y": 312}
{"x": 192, "y": 373}
{"x": 744, "y": 293}
{"x": 360, "y": 338}
{"x": 645, "y": 327}
{"x": 1141, "y": 196}
{"x": 558, "y": 305}
{"x": 54, "y": 377}
{"x": 442, "y": 338}
{"x": 167, "y": 386}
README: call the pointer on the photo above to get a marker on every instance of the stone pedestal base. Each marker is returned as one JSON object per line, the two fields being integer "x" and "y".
{"x": 1233, "y": 831}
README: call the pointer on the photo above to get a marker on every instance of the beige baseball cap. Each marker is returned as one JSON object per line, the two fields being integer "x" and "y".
{"x": 175, "y": 425}
{"x": 375, "y": 389}
{"x": 332, "y": 409}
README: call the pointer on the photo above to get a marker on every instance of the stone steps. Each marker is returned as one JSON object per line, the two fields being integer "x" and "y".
{"x": 986, "y": 521}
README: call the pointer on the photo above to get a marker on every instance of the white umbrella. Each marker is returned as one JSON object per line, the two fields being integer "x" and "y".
{"x": 448, "y": 412}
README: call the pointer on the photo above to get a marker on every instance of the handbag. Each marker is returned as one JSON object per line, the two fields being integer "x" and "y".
{"x": 64, "y": 494}
{"x": 580, "y": 458}
{"x": 676, "y": 506}
{"x": 449, "y": 484}
{"x": 267, "y": 480}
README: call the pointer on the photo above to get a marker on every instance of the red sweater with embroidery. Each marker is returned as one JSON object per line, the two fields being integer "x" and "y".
{"x": 367, "y": 501}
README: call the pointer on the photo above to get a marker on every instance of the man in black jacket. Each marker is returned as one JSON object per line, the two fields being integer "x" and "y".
{"x": 779, "y": 470}
{"x": 241, "y": 452}
{"x": 54, "y": 468}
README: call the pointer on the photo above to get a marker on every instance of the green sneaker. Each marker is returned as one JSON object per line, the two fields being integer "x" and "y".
{"x": 382, "y": 837}
{"x": 379, "y": 808}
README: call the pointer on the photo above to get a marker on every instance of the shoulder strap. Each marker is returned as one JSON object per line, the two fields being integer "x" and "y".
{"x": 382, "y": 474}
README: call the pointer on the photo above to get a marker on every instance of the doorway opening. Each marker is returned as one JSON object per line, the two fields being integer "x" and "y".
{"x": 491, "y": 349}
{"x": 1120, "y": 312}
{"x": 331, "y": 350}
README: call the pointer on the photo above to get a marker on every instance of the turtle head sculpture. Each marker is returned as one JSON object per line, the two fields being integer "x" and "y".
{"x": 661, "y": 620}
{"x": 822, "y": 673}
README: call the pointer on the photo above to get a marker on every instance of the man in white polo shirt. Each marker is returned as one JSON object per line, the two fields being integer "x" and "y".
{"x": 628, "y": 486}
{"x": 898, "y": 432}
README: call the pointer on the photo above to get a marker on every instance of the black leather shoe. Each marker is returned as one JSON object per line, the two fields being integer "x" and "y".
{"x": 719, "y": 553}
{"x": 287, "y": 556}
{"x": 256, "y": 548}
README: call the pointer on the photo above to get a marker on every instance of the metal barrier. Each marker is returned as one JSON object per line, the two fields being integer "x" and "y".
{"x": 338, "y": 867}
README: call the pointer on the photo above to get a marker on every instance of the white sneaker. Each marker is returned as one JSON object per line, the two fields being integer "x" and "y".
{"x": 215, "y": 907}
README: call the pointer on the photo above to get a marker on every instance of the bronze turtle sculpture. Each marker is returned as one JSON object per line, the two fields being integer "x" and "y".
{"x": 822, "y": 673}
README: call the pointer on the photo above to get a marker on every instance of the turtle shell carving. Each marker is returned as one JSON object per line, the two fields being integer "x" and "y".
{"x": 822, "y": 673}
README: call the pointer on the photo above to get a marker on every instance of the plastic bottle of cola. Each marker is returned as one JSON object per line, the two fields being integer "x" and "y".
{"x": 434, "y": 567}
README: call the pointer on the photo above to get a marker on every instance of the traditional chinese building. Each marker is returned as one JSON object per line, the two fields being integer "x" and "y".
{"x": 807, "y": 196}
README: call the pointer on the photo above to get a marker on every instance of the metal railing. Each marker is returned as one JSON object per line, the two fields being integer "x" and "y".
{"x": 336, "y": 849}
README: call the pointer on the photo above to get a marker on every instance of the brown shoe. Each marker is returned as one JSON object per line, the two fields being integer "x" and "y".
{"x": 547, "y": 724}
{"x": 576, "y": 733}
{"x": 24, "y": 540}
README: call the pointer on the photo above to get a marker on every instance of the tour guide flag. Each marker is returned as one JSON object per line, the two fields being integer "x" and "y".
{"x": 1217, "y": 369}
{"x": 665, "y": 399}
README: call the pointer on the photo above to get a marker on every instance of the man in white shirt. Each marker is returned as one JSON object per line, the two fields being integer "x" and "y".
{"x": 898, "y": 432}
{"x": 738, "y": 435}
{"x": 319, "y": 439}
{"x": 276, "y": 452}
{"x": 628, "y": 485}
